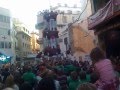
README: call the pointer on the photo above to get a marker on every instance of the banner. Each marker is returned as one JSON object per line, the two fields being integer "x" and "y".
{"x": 100, "y": 15}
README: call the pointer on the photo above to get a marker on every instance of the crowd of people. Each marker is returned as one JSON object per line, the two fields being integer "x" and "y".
{"x": 57, "y": 74}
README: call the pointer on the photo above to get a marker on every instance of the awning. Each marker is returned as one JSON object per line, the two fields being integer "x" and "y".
{"x": 103, "y": 14}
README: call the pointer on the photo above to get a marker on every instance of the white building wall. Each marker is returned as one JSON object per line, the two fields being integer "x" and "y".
{"x": 6, "y": 34}
{"x": 62, "y": 44}
{"x": 63, "y": 32}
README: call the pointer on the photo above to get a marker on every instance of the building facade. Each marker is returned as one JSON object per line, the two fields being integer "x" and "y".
{"x": 49, "y": 32}
{"x": 66, "y": 16}
{"x": 35, "y": 44}
{"x": 106, "y": 22}
{"x": 23, "y": 45}
{"x": 6, "y": 34}
{"x": 81, "y": 42}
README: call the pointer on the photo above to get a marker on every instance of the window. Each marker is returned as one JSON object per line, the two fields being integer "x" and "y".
{"x": 15, "y": 45}
{"x": 1, "y": 18}
{"x": 10, "y": 44}
{"x": 23, "y": 44}
{"x": 65, "y": 41}
{"x": 8, "y": 19}
{"x": 8, "y": 32}
{"x": 6, "y": 45}
{"x": 5, "y": 19}
{"x": 2, "y": 45}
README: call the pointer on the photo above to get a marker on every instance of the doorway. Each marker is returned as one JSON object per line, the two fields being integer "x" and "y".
{"x": 111, "y": 40}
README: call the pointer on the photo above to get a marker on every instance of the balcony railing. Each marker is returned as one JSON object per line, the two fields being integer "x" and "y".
{"x": 104, "y": 13}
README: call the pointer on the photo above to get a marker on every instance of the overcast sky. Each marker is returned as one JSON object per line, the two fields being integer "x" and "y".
{"x": 26, "y": 10}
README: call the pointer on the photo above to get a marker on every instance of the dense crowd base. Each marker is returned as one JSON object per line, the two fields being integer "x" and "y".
{"x": 50, "y": 75}
{"x": 57, "y": 74}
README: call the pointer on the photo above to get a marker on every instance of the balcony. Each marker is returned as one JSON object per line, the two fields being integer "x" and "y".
{"x": 106, "y": 13}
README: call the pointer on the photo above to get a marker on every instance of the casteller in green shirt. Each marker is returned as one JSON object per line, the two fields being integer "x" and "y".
{"x": 74, "y": 84}
{"x": 29, "y": 77}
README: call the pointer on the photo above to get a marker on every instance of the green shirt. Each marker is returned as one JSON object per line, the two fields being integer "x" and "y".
{"x": 70, "y": 68}
{"x": 86, "y": 80}
{"x": 28, "y": 77}
{"x": 74, "y": 84}
{"x": 60, "y": 67}
{"x": 88, "y": 77}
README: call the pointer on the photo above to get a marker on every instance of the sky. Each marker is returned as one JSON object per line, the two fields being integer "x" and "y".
{"x": 26, "y": 10}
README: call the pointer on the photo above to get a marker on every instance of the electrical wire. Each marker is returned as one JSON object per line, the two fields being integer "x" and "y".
{"x": 87, "y": 34}
{"x": 79, "y": 15}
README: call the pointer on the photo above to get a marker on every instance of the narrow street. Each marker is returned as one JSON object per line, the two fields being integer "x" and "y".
{"x": 60, "y": 45}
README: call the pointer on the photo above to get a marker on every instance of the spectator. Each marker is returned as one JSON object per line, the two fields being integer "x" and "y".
{"x": 43, "y": 70}
{"x": 26, "y": 86}
{"x": 62, "y": 78}
{"x": 1, "y": 84}
{"x": 5, "y": 74}
{"x": 74, "y": 82}
{"x": 10, "y": 83}
{"x": 46, "y": 84}
{"x": 83, "y": 77}
{"x": 29, "y": 76}
{"x": 94, "y": 77}
{"x": 108, "y": 79}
